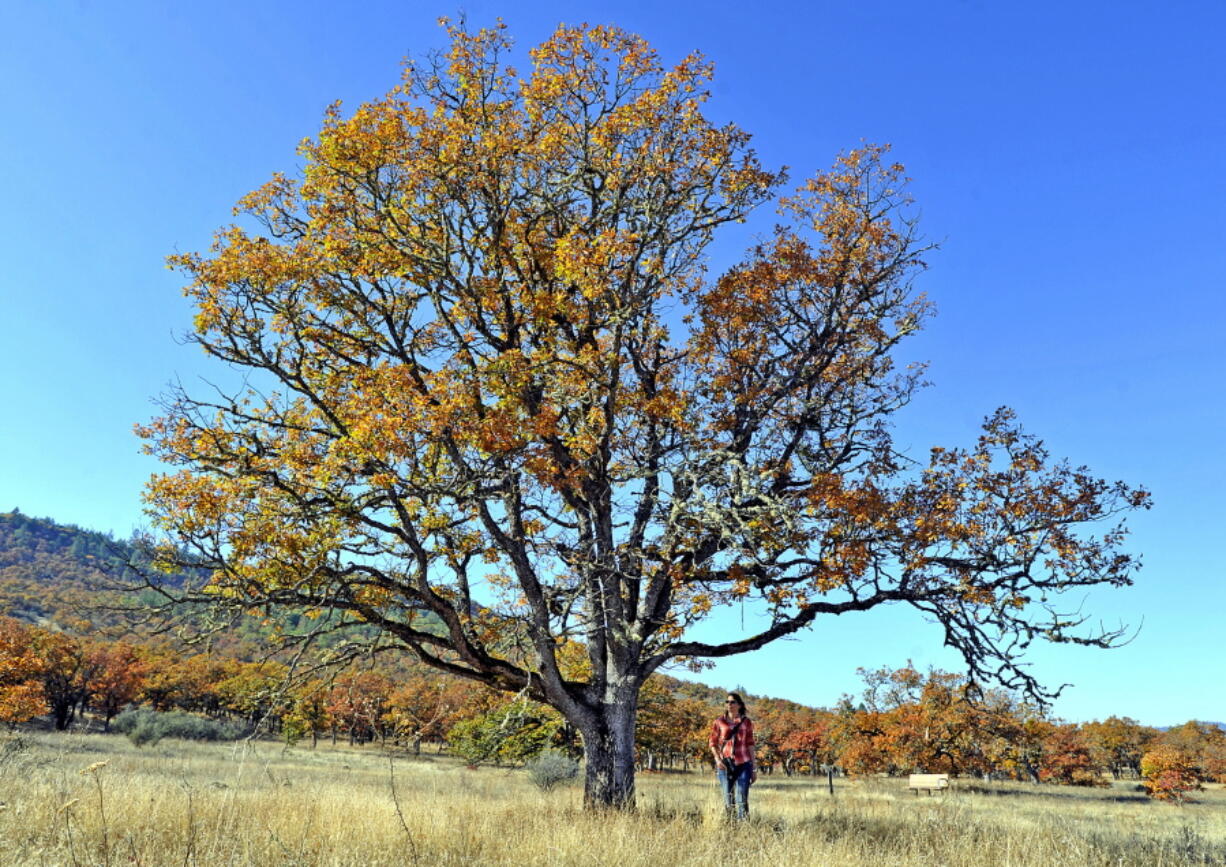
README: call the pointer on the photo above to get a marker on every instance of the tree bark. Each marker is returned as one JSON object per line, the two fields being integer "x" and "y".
{"x": 608, "y": 752}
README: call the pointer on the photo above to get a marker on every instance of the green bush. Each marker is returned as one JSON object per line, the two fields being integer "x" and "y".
{"x": 509, "y": 735}
{"x": 144, "y": 726}
{"x": 551, "y": 769}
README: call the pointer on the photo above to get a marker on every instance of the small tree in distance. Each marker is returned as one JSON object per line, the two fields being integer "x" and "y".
{"x": 498, "y": 411}
{"x": 1067, "y": 760}
{"x": 1168, "y": 774}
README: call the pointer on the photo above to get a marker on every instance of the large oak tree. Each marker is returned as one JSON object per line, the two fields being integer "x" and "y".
{"x": 498, "y": 414}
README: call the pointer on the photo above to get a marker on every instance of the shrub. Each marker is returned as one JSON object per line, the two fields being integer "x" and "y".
{"x": 12, "y": 748}
{"x": 144, "y": 732}
{"x": 509, "y": 735}
{"x": 144, "y": 726}
{"x": 1168, "y": 774}
{"x": 551, "y": 769}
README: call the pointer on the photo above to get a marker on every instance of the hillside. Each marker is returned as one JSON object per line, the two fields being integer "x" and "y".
{"x": 63, "y": 577}
{"x": 51, "y": 573}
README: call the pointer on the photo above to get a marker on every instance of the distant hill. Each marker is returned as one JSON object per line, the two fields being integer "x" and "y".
{"x": 23, "y": 538}
{"x": 62, "y": 577}
{"x": 1204, "y": 722}
{"x": 50, "y": 573}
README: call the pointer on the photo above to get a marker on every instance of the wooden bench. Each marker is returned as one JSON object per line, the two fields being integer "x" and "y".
{"x": 930, "y": 782}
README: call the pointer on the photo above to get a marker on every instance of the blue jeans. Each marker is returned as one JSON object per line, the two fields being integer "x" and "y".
{"x": 737, "y": 782}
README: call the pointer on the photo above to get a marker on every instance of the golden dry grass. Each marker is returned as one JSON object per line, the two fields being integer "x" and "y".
{"x": 259, "y": 804}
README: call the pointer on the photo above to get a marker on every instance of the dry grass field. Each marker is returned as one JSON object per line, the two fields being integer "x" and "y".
{"x": 260, "y": 804}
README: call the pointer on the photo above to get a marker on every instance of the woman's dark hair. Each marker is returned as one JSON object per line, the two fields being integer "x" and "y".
{"x": 740, "y": 701}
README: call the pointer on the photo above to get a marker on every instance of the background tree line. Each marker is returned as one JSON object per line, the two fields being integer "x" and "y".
{"x": 905, "y": 720}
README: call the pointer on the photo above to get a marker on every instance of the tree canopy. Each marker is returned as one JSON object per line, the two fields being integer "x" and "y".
{"x": 490, "y": 380}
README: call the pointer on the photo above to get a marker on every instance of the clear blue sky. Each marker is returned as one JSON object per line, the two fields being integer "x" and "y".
{"x": 1066, "y": 155}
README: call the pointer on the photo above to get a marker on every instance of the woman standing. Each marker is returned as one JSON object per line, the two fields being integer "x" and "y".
{"x": 732, "y": 748}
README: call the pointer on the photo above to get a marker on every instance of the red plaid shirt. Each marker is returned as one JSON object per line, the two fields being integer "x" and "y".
{"x": 739, "y": 747}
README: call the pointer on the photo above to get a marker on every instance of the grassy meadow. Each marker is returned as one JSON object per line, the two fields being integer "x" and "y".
{"x": 262, "y": 804}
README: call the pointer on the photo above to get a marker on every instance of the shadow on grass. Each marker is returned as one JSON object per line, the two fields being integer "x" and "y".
{"x": 1056, "y": 794}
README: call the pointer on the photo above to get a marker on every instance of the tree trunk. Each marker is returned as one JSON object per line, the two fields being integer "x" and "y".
{"x": 608, "y": 751}
{"x": 62, "y": 712}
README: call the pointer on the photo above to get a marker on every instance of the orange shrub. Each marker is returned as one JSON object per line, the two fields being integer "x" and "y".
{"x": 1168, "y": 774}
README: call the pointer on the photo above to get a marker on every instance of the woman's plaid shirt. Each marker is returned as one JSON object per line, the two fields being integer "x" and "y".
{"x": 738, "y": 747}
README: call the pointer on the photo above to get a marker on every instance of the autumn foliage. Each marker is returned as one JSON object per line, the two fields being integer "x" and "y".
{"x": 21, "y": 693}
{"x": 1169, "y": 773}
{"x": 1067, "y": 759}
